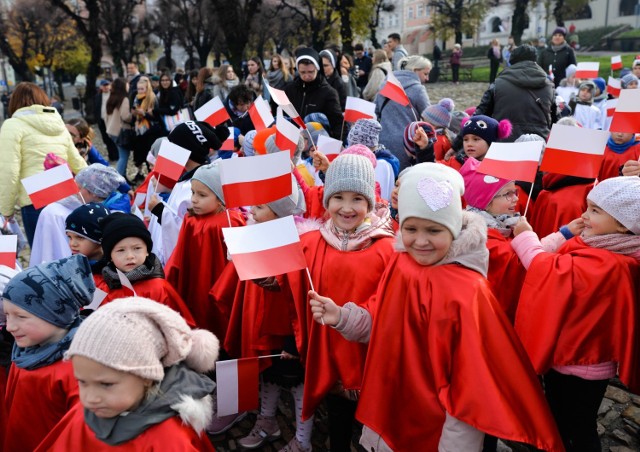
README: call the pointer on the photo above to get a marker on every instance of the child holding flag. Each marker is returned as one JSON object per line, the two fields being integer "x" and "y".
{"x": 131, "y": 268}
{"x": 352, "y": 239}
{"x": 589, "y": 331}
{"x": 42, "y": 306}
{"x": 434, "y": 302}
{"x": 621, "y": 148}
{"x": 140, "y": 369}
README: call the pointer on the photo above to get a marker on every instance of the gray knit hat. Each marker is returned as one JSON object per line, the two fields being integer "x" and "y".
{"x": 99, "y": 179}
{"x": 365, "y": 132}
{"x": 289, "y": 205}
{"x": 210, "y": 176}
{"x": 353, "y": 173}
{"x": 627, "y": 79}
{"x": 142, "y": 337}
{"x": 620, "y": 198}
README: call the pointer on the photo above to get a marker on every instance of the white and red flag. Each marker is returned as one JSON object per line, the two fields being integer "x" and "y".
{"x": 228, "y": 144}
{"x": 250, "y": 181}
{"x": 574, "y": 151}
{"x": 357, "y": 108}
{"x": 616, "y": 62}
{"x": 287, "y": 134}
{"x": 8, "y": 250}
{"x": 50, "y": 186}
{"x": 587, "y": 69}
{"x": 611, "y": 107}
{"x": 260, "y": 114}
{"x": 265, "y": 249}
{"x": 237, "y": 385}
{"x": 613, "y": 87}
{"x": 124, "y": 281}
{"x": 281, "y": 99}
{"x": 329, "y": 147}
{"x": 513, "y": 161}
{"x": 213, "y": 112}
{"x": 626, "y": 118}
{"x": 393, "y": 90}
{"x": 171, "y": 160}
{"x": 98, "y": 297}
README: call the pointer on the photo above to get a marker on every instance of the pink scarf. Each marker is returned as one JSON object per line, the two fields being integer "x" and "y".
{"x": 626, "y": 244}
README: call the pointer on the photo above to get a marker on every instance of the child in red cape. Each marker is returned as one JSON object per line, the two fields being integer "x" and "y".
{"x": 434, "y": 327}
{"x": 345, "y": 257}
{"x": 578, "y": 315}
{"x": 139, "y": 367}
{"x": 621, "y": 147}
{"x": 126, "y": 244}
{"x": 42, "y": 307}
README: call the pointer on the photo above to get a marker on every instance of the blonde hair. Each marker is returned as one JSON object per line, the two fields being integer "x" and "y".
{"x": 281, "y": 67}
{"x": 379, "y": 56}
{"x": 149, "y": 101}
{"x": 414, "y": 63}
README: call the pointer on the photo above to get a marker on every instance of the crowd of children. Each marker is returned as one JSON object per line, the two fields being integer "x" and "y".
{"x": 429, "y": 311}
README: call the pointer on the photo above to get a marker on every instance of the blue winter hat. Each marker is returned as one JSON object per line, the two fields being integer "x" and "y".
{"x": 600, "y": 83}
{"x": 318, "y": 117}
{"x": 86, "y": 221}
{"x": 54, "y": 291}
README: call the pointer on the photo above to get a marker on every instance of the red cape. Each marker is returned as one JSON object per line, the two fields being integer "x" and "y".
{"x": 441, "y": 146}
{"x": 579, "y": 306}
{"x": 506, "y": 273}
{"x": 613, "y": 161}
{"x": 440, "y": 343}
{"x": 342, "y": 276}
{"x": 555, "y": 208}
{"x": 156, "y": 289}
{"x": 72, "y": 433}
{"x": 197, "y": 261}
{"x": 35, "y": 402}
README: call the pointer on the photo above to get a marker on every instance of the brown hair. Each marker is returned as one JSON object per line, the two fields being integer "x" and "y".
{"x": 85, "y": 131}
{"x": 286, "y": 75}
{"x": 27, "y": 94}
{"x": 117, "y": 95}
{"x": 204, "y": 74}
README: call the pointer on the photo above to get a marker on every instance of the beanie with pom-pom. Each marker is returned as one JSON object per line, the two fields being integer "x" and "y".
{"x": 439, "y": 115}
{"x": 142, "y": 337}
{"x": 486, "y": 128}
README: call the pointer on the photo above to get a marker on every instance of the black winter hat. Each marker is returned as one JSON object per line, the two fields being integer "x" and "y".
{"x": 310, "y": 54}
{"x": 524, "y": 52}
{"x": 119, "y": 226}
{"x": 198, "y": 137}
{"x": 87, "y": 220}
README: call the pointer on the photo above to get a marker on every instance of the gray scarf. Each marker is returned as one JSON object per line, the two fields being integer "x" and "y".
{"x": 502, "y": 223}
{"x": 179, "y": 381}
{"x": 152, "y": 268}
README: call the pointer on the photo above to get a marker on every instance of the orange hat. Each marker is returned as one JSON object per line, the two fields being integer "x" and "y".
{"x": 260, "y": 139}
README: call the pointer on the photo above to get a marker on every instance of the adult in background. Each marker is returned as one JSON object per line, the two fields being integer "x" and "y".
{"x": 146, "y": 125}
{"x": 381, "y": 67}
{"x": 558, "y": 55}
{"x": 99, "y": 106}
{"x": 394, "y": 117}
{"x": 330, "y": 65}
{"x": 495, "y": 58}
{"x": 117, "y": 116}
{"x": 534, "y": 108}
{"x": 309, "y": 92}
{"x": 255, "y": 77}
{"x": 399, "y": 52}
{"x": 133, "y": 75}
{"x": 278, "y": 75}
{"x": 363, "y": 65}
{"x": 205, "y": 84}
{"x": 34, "y": 130}
{"x": 169, "y": 101}
{"x": 237, "y": 104}
{"x": 347, "y": 74}
{"x": 455, "y": 60}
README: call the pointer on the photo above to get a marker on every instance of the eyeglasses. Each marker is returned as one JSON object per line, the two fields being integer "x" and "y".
{"x": 509, "y": 196}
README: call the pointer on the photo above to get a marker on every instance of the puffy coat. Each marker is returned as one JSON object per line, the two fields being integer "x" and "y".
{"x": 25, "y": 139}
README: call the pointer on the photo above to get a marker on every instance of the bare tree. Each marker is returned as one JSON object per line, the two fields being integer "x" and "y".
{"x": 166, "y": 30}
{"x": 236, "y": 16}
{"x": 197, "y": 26}
{"x": 121, "y": 26}
{"x": 17, "y": 57}
{"x": 458, "y": 15}
{"x": 316, "y": 16}
{"x": 519, "y": 20}
{"x": 379, "y": 7}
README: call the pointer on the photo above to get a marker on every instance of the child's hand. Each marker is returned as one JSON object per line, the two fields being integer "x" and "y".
{"x": 324, "y": 310}
{"x": 576, "y": 226}
{"x": 521, "y": 226}
{"x": 420, "y": 138}
{"x": 320, "y": 161}
{"x": 153, "y": 202}
{"x": 631, "y": 168}
{"x": 450, "y": 153}
{"x": 285, "y": 355}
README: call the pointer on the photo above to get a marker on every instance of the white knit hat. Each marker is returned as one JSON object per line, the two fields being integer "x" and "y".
{"x": 349, "y": 172}
{"x": 432, "y": 191}
{"x": 142, "y": 337}
{"x": 620, "y": 198}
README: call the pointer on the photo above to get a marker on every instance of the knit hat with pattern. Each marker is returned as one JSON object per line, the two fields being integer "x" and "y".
{"x": 365, "y": 132}
{"x": 353, "y": 173}
{"x": 486, "y": 128}
{"x": 99, "y": 179}
{"x": 620, "y": 198}
{"x": 439, "y": 115}
{"x": 86, "y": 221}
{"x": 142, "y": 337}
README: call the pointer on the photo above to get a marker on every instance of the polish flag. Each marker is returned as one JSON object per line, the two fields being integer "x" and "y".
{"x": 513, "y": 161}
{"x": 393, "y": 90}
{"x": 287, "y": 134}
{"x": 626, "y": 118}
{"x": 613, "y": 87}
{"x": 574, "y": 151}
{"x": 265, "y": 249}
{"x": 228, "y": 144}
{"x": 171, "y": 160}
{"x": 237, "y": 385}
{"x": 329, "y": 147}
{"x": 250, "y": 181}
{"x": 616, "y": 62}
{"x": 611, "y": 107}
{"x": 357, "y": 108}
{"x": 281, "y": 99}
{"x": 98, "y": 297}
{"x": 260, "y": 114}
{"x": 8, "y": 250}
{"x": 124, "y": 281}
{"x": 213, "y": 112}
{"x": 50, "y": 186}
{"x": 587, "y": 69}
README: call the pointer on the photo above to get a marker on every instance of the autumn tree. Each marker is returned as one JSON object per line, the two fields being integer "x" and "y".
{"x": 458, "y": 16}
{"x": 316, "y": 18}
{"x": 374, "y": 19}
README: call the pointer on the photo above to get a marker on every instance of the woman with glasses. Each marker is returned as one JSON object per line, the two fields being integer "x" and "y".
{"x": 170, "y": 100}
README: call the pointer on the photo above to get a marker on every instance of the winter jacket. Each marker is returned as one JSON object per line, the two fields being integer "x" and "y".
{"x": 559, "y": 60}
{"x": 394, "y": 117}
{"x": 316, "y": 97}
{"x": 205, "y": 95}
{"x": 25, "y": 139}
{"x": 535, "y": 109}
{"x": 377, "y": 77}
{"x": 335, "y": 81}
{"x": 119, "y": 118}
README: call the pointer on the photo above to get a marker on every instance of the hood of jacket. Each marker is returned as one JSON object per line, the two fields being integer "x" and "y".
{"x": 45, "y": 120}
{"x": 526, "y": 74}
{"x": 407, "y": 78}
{"x": 386, "y": 65}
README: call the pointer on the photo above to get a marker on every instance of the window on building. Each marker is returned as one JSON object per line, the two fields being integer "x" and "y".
{"x": 410, "y": 12}
{"x": 382, "y": 20}
{"x": 628, "y": 7}
{"x": 582, "y": 13}
{"x": 496, "y": 25}
{"x": 420, "y": 12}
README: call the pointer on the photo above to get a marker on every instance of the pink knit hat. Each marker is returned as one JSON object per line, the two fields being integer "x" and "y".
{"x": 142, "y": 337}
{"x": 479, "y": 189}
{"x": 362, "y": 150}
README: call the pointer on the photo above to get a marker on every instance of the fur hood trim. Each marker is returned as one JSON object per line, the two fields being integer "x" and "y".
{"x": 196, "y": 413}
{"x": 304, "y": 225}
